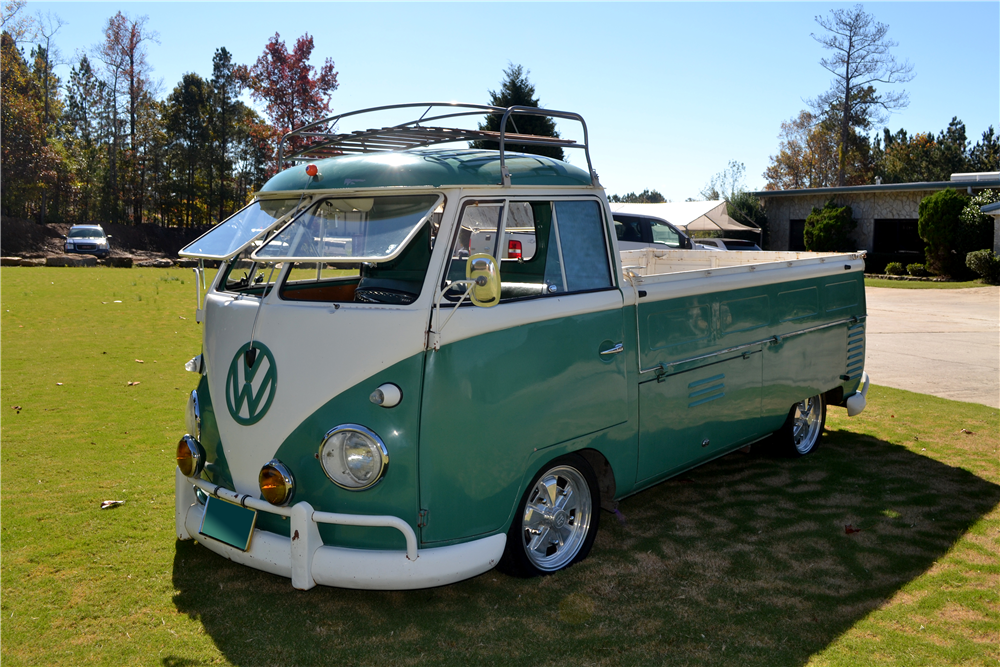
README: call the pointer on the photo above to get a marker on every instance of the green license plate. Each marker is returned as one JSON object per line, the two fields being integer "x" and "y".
{"x": 228, "y": 523}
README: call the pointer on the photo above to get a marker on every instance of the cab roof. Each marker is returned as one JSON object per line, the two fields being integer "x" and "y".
{"x": 428, "y": 167}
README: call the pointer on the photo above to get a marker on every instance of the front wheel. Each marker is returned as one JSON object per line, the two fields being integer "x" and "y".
{"x": 805, "y": 422}
{"x": 556, "y": 521}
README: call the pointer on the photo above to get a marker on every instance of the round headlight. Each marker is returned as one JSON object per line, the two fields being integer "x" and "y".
{"x": 190, "y": 456}
{"x": 353, "y": 457}
{"x": 192, "y": 415}
{"x": 276, "y": 483}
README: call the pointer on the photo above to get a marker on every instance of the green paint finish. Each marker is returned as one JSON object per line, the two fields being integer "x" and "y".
{"x": 746, "y": 314}
{"x": 796, "y": 304}
{"x": 395, "y": 494}
{"x": 216, "y": 467}
{"x": 840, "y": 295}
{"x": 427, "y": 168}
{"x": 491, "y": 402}
{"x": 678, "y": 330}
{"x": 695, "y": 415}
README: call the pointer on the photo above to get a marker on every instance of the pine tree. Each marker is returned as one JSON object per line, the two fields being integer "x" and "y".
{"x": 516, "y": 90}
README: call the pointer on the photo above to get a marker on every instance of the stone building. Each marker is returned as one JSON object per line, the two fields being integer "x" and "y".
{"x": 886, "y": 214}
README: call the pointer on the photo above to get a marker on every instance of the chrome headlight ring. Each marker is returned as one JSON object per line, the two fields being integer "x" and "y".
{"x": 353, "y": 457}
{"x": 192, "y": 415}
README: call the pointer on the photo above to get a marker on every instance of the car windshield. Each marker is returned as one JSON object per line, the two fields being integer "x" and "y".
{"x": 372, "y": 229}
{"x": 86, "y": 233}
{"x": 240, "y": 230}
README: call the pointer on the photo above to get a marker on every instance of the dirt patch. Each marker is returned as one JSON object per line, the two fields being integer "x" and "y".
{"x": 24, "y": 238}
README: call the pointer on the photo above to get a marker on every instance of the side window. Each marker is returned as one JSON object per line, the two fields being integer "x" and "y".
{"x": 582, "y": 245}
{"x": 662, "y": 233}
{"x": 546, "y": 249}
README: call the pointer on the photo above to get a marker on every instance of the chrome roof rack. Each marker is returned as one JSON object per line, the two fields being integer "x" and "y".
{"x": 321, "y": 140}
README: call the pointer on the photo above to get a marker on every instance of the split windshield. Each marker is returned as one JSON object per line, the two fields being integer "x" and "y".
{"x": 371, "y": 229}
{"x": 241, "y": 229}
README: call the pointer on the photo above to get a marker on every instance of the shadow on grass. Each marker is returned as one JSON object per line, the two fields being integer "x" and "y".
{"x": 743, "y": 561}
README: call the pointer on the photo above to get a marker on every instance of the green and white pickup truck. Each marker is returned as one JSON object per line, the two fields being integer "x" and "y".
{"x": 383, "y": 404}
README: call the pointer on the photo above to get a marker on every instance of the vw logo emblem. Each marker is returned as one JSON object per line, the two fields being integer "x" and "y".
{"x": 251, "y": 383}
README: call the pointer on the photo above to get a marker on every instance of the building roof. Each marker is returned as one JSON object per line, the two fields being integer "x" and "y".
{"x": 991, "y": 180}
{"x": 427, "y": 167}
{"x": 694, "y": 216}
{"x": 991, "y": 209}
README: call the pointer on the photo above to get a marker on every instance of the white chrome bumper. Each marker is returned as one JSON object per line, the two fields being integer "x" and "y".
{"x": 308, "y": 562}
{"x": 856, "y": 403}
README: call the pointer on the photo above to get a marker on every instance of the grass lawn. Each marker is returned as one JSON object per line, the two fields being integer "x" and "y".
{"x": 744, "y": 561}
{"x": 922, "y": 284}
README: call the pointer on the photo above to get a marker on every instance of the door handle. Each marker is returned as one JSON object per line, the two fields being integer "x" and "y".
{"x": 614, "y": 350}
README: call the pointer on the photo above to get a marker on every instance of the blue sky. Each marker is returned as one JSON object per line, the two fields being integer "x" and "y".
{"x": 671, "y": 91}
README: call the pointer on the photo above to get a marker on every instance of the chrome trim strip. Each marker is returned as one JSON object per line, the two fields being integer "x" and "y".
{"x": 773, "y": 340}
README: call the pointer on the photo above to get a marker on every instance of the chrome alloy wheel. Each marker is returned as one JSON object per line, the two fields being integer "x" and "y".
{"x": 557, "y": 515}
{"x": 807, "y": 424}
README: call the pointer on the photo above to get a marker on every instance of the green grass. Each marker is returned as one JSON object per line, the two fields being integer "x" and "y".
{"x": 922, "y": 284}
{"x": 744, "y": 561}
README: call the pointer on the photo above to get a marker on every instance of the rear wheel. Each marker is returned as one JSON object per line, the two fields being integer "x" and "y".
{"x": 556, "y": 521}
{"x": 800, "y": 434}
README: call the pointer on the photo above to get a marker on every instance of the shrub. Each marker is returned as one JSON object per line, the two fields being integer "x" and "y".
{"x": 937, "y": 226}
{"x": 986, "y": 263}
{"x": 828, "y": 229}
{"x": 917, "y": 270}
{"x": 975, "y": 228}
{"x": 894, "y": 269}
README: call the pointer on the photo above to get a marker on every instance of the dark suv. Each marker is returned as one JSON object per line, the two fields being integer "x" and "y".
{"x": 89, "y": 240}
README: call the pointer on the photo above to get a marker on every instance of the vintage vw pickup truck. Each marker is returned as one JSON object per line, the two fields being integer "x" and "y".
{"x": 388, "y": 398}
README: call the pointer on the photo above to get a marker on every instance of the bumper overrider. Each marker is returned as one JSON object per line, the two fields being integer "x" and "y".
{"x": 307, "y": 561}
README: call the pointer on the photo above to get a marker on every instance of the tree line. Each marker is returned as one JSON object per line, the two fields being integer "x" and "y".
{"x": 829, "y": 144}
{"x": 100, "y": 146}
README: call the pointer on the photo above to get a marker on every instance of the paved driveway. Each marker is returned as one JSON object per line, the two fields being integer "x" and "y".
{"x": 944, "y": 342}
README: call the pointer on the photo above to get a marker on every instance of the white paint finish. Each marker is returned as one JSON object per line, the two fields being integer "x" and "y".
{"x": 355, "y": 568}
{"x": 320, "y": 351}
{"x": 184, "y": 498}
{"x": 856, "y": 403}
{"x": 943, "y": 342}
{"x": 673, "y": 273}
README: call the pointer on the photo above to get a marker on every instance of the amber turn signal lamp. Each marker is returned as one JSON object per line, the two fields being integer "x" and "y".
{"x": 312, "y": 169}
{"x": 190, "y": 457}
{"x": 276, "y": 483}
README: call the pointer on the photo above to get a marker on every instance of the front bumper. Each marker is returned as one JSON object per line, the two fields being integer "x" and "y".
{"x": 96, "y": 252}
{"x": 307, "y": 561}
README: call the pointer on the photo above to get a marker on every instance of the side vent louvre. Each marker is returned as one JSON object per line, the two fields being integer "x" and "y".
{"x": 855, "y": 350}
{"x": 706, "y": 390}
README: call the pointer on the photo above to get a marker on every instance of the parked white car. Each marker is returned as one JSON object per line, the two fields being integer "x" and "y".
{"x": 725, "y": 244}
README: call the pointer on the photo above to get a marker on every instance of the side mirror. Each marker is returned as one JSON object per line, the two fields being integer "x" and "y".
{"x": 482, "y": 270}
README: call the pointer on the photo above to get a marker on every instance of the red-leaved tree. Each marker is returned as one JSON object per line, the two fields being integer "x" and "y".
{"x": 293, "y": 90}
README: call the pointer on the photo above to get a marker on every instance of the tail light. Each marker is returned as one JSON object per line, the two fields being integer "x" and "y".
{"x": 513, "y": 249}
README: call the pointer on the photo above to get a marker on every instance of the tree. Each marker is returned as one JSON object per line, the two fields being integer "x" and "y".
{"x": 516, "y": 90}
{"x": 861, "y": 58}
{"x": 27, "y": 162}
{"x": 828, "y": 229}
{"x": 186, "y": 120}
{"x": 975, "y": 228}
{"x": 294, "y": 92}
{"x": 746, "y": 209}
{"x": 647, "y": 196}
{"x": 127, "y": 80}
{"x": 937, "y": 226}
{"x": 726, "y": 183}
{"x": 223, "y": 113}
{"x": 922, "y": 156}
{"x": 985, "y": 155}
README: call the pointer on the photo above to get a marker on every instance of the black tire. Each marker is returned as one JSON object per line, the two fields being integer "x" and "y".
{"x": 802, "y": 429}
{"x": 553, "y": 529}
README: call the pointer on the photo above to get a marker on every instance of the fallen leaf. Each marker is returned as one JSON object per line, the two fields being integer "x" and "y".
{"x": 139, "y": 361}
{"x": 110, "y": 504}
{"x": 58, "y": 384}
{"x": 132, "y": 384}
{"x": 182, "y": 317}
{"x": 966, "y": 431}
{"x": 16, "y": 407}
{"x": 117, "y": 301}
{"x": 851, "y": 529}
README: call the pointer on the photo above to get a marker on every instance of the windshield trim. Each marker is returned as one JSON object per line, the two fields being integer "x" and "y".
{"x": 340, "y": 258}
{"x": 303, "y": 203}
